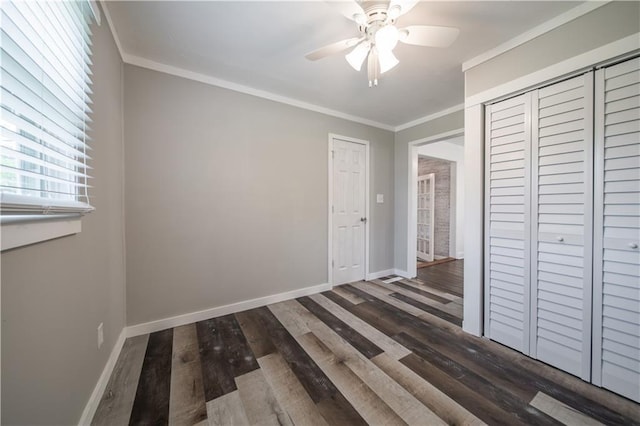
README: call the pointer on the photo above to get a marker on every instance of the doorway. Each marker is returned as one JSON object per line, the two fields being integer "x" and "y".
{"x": 348, "y": 209}
{"x": 442, "y": 156}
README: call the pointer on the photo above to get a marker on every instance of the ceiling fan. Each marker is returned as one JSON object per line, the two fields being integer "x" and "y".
{"x": 379, "y": 35}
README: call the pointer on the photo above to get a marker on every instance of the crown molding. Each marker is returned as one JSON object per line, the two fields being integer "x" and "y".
{"x": 213, "y": 81}
{"x": 543, "y": 28}
{"x": 430, "y": 117}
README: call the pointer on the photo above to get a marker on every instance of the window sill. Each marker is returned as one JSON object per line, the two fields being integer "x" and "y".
{"x": 18, "y": 231}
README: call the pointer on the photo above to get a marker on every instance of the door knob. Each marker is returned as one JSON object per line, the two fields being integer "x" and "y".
{"x": 560, "y": 239}
{"x": 633, "y": 245}
{"x": 363, "y": 219}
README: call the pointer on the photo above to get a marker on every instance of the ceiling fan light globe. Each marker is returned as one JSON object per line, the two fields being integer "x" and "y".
{"x": 387, "y": 38}
{"x": 357, "y": 56}
{"x": 387, "y": 61}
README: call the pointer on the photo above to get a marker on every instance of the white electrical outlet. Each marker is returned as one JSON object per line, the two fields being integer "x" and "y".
{"x": 100, "y": 335}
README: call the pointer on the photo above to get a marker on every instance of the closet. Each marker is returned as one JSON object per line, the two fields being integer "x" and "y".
{"x": 562, "y": 225}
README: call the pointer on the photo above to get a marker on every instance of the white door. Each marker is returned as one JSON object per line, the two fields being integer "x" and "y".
{"x": 349, "y": 211}
{"x": 425, "y": 223}
{"x": 616, "y": 280}
{"x": 561, "y": 224}
{"x": 507, "y": 222}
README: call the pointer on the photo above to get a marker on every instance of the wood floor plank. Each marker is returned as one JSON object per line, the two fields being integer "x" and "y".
{"x": 332, "y": 404}
{"x": 344, "y": 330}
{"x": 395, "y": 396}
{"x": 387, "y": 344}
{"x": 337, "y": 299}
{"x": 499, "y": 396}
{"x": 449, "y": 308}
{"x": 441, "y": 404}
{"x": 117, "y": 400}
{"x": 151, "y": 404}
{"x": 225, "y": 354}
{"x": 472, "y": 400}
{"x": 350, "y": 297}
{"x": 187, "y": 404}
{"x": 429, "y": 309}
{"x": 562, "y": 412}
{"x": 422, "y": 292}
{"x": 260, "y": 404}
{"x": 289, "y": 392}
{"x": 227, "y": 410}
{"x": 422, "y": 286}
{"x": 258, "y": 340}
{"x": 364, "y": 400}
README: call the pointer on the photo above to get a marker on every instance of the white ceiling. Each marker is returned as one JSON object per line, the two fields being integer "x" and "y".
{"x": 262, "y": 45}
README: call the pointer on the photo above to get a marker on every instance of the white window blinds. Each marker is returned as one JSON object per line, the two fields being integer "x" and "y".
{"x": 44, "y": 106}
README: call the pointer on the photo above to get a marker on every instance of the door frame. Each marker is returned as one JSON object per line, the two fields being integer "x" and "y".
{"x": 412, "y": 199}
{"x": 367, "y": 227}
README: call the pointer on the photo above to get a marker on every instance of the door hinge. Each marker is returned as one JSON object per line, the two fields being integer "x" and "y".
{"x": 332, "y": 209}
{"x": 332, "y": 263}
{"x": 333, "y": 154}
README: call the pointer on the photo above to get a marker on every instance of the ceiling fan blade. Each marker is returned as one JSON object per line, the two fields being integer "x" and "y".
{"x": 400, "y": 7}
{"x": 426, "y": 35}
{"x": 349, "y": 8}
{"x": 332, "y": 48}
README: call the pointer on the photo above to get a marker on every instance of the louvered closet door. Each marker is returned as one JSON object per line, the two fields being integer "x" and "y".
{"x": 561, "y": 231}
{"x": 616, "y": 339}
{"x": 507, "y": 222}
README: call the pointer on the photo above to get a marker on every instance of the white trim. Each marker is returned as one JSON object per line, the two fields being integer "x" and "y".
{"x": 18, "y": 234}
{"x": 367, "y": 227}
{"x": 412, "y": 198}
{"x": 541, "y": 29}
{"x": 380, "y": 274}
{"x": 112, "y": 27}
{"x": 430, "y": 117}
{"x": 401, "y": 273}
{"x": 563, "y": 69}
{"x": 472, "y": 321}
{"x": 165, "y": 323}
{"x": 225, "y": 84}
{"x": 94, "y": 400}
{"x": 460, "y": 255}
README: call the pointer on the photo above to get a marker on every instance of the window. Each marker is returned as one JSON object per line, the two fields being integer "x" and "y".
{"x": 45, "y": 107}
{"x": 44, "y": 117}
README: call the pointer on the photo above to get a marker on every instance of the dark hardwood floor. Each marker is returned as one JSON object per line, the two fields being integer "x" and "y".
{"x": 444, "y": 276}
{"x": 364, "y": 353}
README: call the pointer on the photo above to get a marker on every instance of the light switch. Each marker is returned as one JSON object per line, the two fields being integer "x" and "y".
{"x": 379, "y": 198}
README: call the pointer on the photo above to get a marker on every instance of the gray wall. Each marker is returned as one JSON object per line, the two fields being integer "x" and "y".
{"x": 226, "y": 195}
{"x": 447, "y": 123}
{"x": 604, "y": 25}
{"x": 55, "y": 293}
{"x": 442, "y": 208}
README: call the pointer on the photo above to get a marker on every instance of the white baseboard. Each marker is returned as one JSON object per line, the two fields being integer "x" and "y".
{"x": 380, "y": 274}
{"x": 460, "y": 255}
{"x": 96, "y": 395}
{"x": 163, "y": 324}
{"x": 401, "y": 273}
